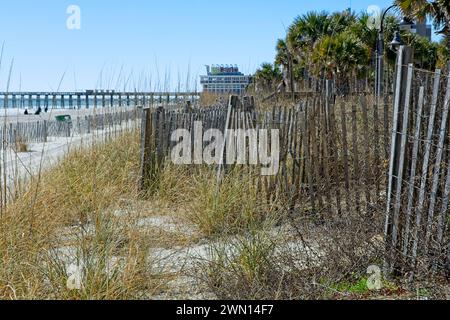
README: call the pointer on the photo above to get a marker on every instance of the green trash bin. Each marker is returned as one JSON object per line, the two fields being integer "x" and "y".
{"x": 64, "y": 118}
{"x": 66, "y": 121}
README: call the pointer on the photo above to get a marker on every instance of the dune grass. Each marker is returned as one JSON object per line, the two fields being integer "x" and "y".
{"x": 66, "y": 218}
{"x": 235, "y": 207}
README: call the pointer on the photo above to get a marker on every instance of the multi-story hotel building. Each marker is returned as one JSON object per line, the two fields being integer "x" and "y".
{"x": 225, "y": 79}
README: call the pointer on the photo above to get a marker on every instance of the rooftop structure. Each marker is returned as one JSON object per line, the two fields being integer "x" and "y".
{"x": 221, "y": 79}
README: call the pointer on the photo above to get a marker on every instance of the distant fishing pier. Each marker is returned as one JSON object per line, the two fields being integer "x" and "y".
{"x": 91, "y": 99}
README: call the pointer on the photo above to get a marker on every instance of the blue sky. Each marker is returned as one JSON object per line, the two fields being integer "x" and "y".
{"x": 147, "y": 39}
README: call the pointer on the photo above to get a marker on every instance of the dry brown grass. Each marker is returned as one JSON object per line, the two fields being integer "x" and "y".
{"x": 209, "y": 99}
{"x": 71, "y": 208}
{"x": 235, "y": 207}
{"x": 253, "y": 257}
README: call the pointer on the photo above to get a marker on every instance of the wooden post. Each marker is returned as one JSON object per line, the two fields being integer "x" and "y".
{"x": 412, "y": 174}
{"x": 231, "y": 105}
{"x": 145, "y": 148}
{"x": 401, "y": 165}
{"x": 45, "y": 131}
{"x": 397, "y": 156}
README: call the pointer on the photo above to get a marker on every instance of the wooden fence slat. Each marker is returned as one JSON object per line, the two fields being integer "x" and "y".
{"x": 402, "y": 160}
{"x": 412, "y": 173}
{"x": 442, "y": 216}
{"x": 386, "y": 126}
{"x": 367, "y": 165}
{"x": 335, "y": 156}
{"x": 437, "y": 171}
{"x": 325, "y": 139}
{"x": 426, "y": 158}
{"x": 222, "y": 152}
{"x": 296, "y": 161}
{"x": 345, "y": 155}
{"x": 392, "y": 160}
{"x": 377, "y": 169}
{"x": 356, "y": 171}
{"x": 315, "y": 156}
{"x": 309, "y": 168}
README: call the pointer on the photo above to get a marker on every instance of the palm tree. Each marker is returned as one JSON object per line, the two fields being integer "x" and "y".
{"x": 438, "y": 10}
{"x": 360, "y": 28}
{"x": 285, "y": 59}
{"x": 425, "y": 52}
{"x": 268, "y": 76}
{"x": 341, "y": 21}
{"x": 340, "y": 57}
{"x": 282, "y": 56}
{"x": 442, "y": 54}
{"x": 305, "y": 31}
{"x": 308, "y": 28}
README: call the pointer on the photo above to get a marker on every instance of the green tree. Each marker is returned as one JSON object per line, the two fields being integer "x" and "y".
{"x": 443, "y": 52}
{"x": 360, "y": 28}
{"x": 304, "y": 32}
{"x": 308, "y": 28}
{"x": 341, "y": 45}
{"x": 341, "y": 57}
{"x": 282, "y": 55}
{"x": 268, "y": 76}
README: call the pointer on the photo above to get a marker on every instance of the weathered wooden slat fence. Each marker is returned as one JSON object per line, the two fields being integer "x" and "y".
{"x": 330, "y": 161}
{"x": 40, "y": 131}
{"x": 349, "y": 155}
{"x": 417, "y": 215}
